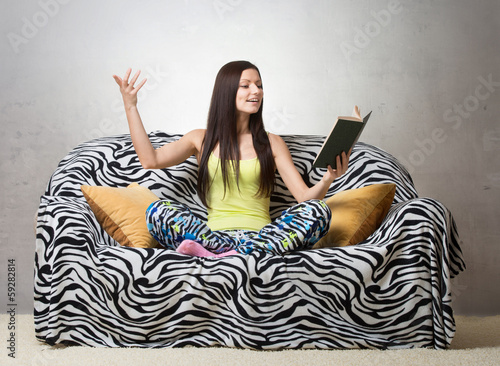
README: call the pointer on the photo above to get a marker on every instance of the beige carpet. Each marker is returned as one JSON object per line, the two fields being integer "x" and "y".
{"x": 477, "y": 342}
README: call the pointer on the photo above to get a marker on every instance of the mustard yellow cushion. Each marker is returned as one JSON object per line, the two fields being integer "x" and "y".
{"x": 356, "y": 214}
{"x": 122, "y": 213}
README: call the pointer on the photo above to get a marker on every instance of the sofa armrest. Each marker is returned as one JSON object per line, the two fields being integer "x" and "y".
{"x": 62, "y": 220}
{"x": 421, "y": 234}
{"x": 416, "y": 246}
{"x": 57, "y": 213}
{"x": 426, "y": 216}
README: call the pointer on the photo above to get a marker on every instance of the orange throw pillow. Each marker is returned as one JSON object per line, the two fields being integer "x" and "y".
{"x": 122, "y": 213}
{"x": 356, "y": 214}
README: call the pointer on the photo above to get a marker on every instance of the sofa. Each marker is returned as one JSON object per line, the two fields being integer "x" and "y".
{"x": 391, "y": 289}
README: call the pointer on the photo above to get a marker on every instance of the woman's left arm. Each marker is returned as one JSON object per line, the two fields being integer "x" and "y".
{"x": 292, "y": 178}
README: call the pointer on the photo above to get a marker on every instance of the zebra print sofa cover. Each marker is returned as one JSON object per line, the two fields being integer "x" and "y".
{"x": 390, "y": 291}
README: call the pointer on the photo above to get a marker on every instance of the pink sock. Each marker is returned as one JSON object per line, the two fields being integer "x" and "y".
{"x": 190, "y": 247}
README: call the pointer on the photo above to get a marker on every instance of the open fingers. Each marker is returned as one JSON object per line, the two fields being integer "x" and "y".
{"x": 141, "y": 84}
{"x": 134, "y": 78}
{"x": 126, "y": 84}
{"x": 118, "y": 80}
{"x": 127, "y": 75}
{"x": 132, "y": 82}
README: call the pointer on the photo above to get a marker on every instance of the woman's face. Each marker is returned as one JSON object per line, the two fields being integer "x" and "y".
{"x": 250, "y": 93}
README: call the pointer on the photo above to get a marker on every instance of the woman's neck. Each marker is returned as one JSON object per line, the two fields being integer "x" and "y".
{"x": 243, "y": 124}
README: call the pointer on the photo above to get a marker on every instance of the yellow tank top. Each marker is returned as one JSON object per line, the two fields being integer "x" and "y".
{"x": 238, "y": 209}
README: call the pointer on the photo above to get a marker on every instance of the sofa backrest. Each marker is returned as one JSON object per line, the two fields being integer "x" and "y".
{"x": 112, "y": 161}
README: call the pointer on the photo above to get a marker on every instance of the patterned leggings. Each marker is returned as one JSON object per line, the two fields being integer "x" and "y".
{"x": 298, "y": 227}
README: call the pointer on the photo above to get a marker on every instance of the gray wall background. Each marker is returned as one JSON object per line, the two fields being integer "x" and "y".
{"x": 429, "y": 70}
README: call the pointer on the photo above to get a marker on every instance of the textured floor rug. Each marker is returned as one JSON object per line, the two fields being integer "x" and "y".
{"x": 477, "y": 342}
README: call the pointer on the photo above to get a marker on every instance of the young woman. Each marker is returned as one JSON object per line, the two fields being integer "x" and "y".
{"x": 237, "y": 162}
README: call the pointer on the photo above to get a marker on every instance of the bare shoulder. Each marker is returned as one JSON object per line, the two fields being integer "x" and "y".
{"x": 196, "y": 137}
{"x": 275, "y": 139}
{"x": 197, "y": 133}
{"x": 278, "y": 145}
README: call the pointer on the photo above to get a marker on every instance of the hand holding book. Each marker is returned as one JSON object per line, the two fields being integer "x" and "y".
{"x": 344, "y": 134}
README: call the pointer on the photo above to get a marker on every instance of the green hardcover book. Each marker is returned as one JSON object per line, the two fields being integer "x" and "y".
{"x": 344, "y": 134}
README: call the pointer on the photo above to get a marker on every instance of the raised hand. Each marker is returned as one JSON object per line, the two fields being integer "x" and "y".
{"x": 128, "y": 90}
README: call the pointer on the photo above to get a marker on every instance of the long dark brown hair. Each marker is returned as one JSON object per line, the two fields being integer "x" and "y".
{"x": 221, "y": 129}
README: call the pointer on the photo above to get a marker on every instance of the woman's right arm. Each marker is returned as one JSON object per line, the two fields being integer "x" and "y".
{"x": 168, "y": 155}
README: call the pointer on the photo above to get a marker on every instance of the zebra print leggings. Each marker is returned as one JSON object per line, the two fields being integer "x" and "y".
{"x": 298, "y": 227}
